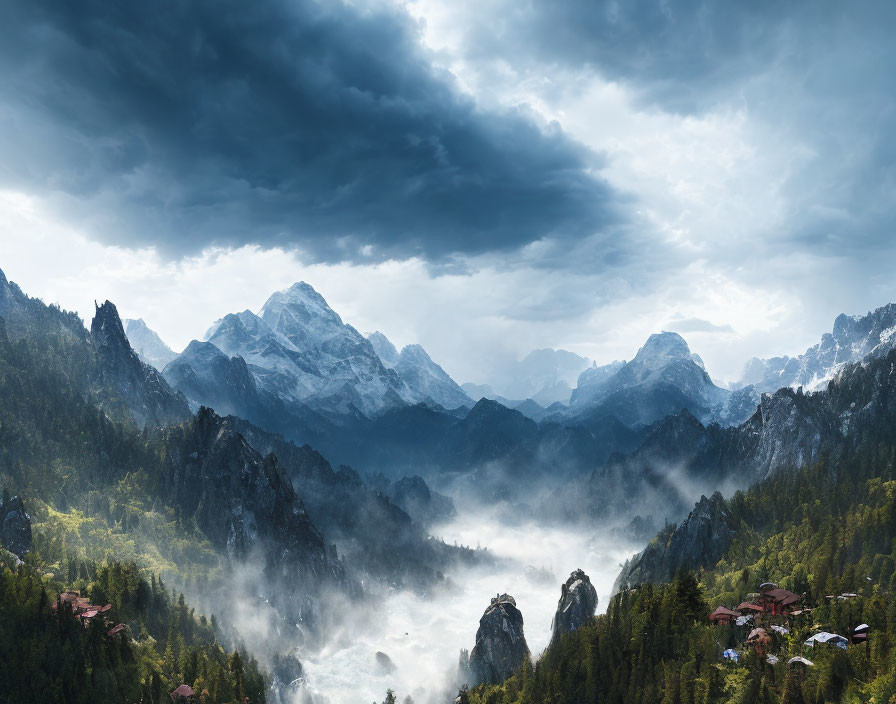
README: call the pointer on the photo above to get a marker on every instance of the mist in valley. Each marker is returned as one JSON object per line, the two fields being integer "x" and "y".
{"x": 422, "y": 634}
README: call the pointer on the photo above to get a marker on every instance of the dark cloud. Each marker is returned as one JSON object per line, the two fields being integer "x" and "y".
{"x": 185, "y": 124}
{"x": 681, "y": 55}
{"x": 814, "y": 78}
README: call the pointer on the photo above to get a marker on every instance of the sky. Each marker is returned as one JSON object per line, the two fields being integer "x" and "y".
{"x": 483, "y": 178}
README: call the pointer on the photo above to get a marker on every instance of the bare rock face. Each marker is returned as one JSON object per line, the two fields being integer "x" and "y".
{"x": 384, "y": 664}
{"x": 578, "y": 602}
{"x": 15, "y": 526}
{"x": 700, "y": 539}
{"x": 500, "y": 644}
{"x": 134, "y": 385}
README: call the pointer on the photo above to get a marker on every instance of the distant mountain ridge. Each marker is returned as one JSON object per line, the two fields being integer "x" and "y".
{"x": 853, "y": 339}
{"x": 544, "y": 375}
{"x": 425, "y": 379}
{"x": 100, "y": 362}
{"x": 663, "y": 378}
{"x": 147, "y": 344}
{"x": 681, "y": 457}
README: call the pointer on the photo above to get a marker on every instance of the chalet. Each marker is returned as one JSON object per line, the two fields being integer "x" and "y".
{"x": 778, "y": 602}
{"x": 183, "y": 692}
{"x": 860, "y": 633}
{"x": 722, "y": 616}
{"x": 747, "y": 608}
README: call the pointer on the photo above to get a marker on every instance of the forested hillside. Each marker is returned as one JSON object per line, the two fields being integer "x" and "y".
{"x": 49, "y": 653}
{"x": 825, "y": 532}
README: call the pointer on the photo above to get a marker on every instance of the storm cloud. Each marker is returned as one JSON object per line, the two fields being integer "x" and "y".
{"x": 814, "y": 81}
{"x": 294, "y": 124}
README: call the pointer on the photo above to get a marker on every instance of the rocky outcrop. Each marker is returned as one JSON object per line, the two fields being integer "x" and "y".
{"x": 246, "y": 505}
{"x": 15, "y": 526}
{"x": 127, "y": 383}
{"x": 701, "y": 540}
{"x": 415, "y": 498}
{"x": 287, "y": 678}
{"x": 500, "y": 644}
{"x": 578, "y": 602}
{"x": 384, "y": 664}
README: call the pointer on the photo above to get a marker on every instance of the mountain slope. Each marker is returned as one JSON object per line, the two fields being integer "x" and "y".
{"x": 663, "y": 378}
{"x": 100, "y": 364}
{"x": 120, "y": 372}
{"x": 852, "y": 339}
{"x": 425, "y": 379}
{"x": 147, "y": 344}
{"x": 824, "y": 531}
{"x": 681, "y": 458}
{"x": 299, "y": 350}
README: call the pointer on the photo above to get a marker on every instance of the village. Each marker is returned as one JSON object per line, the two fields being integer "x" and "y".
{"x": 766, "y": 621}
{"x": 88, "y": 613}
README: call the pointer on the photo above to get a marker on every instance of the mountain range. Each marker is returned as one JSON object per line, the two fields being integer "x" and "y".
{"x": 89, "y": 428}
{"x": 853, "y": 339}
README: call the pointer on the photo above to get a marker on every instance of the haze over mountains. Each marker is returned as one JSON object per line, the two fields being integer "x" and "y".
{"x": 297, "y": 369}
{"x": 322, "y": 458}
{"x": 147, "y": 344}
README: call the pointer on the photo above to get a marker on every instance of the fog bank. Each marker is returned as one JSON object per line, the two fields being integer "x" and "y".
{"x": 422, "y": 635}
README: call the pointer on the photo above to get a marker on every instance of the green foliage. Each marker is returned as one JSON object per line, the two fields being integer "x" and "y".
{"x": 825, "y": 530}
{"x": 47, "y": 655}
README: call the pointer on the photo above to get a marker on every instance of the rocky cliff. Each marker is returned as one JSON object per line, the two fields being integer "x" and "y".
{"x": 246, "y": 505}
{"x": 123, "y": 380}
{"x": 578, "y": 602}
{"x": 700, "y": 540}
{"x": 852, "y": 339}
{"x": 500, "y": 644}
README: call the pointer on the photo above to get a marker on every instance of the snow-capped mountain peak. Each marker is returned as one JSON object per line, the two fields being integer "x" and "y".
{"x": 661, "y": 348}
{"x": 425, "y": 379}
{"x": 384, "y": 348}
{"x": 852, "y": 339}
{"x": 147, "y": 344}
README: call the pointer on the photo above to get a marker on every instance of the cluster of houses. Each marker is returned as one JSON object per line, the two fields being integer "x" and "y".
{"x": 87, "y": 612}
{"x": 771, "y": 603}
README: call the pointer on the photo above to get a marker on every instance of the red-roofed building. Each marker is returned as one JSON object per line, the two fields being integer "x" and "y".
{"x": 184, "y": 691}
{"x": 722, "y": 616}
{"x": 779, "y": 602}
